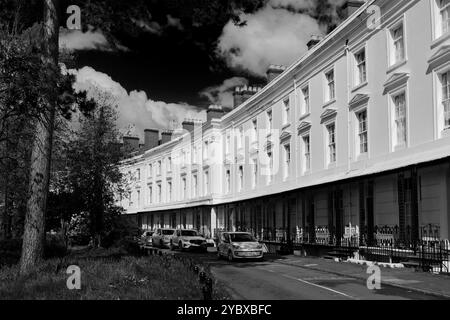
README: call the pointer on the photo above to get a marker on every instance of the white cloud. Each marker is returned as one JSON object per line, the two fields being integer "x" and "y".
{"x": 174, "y": 22}
{"x": 271, "y": 36}
{"x": 135, "y": 107}
{"x": 78, "y": 40}
{"x": 295, "y": 4}
{"x": 223, "y": 94}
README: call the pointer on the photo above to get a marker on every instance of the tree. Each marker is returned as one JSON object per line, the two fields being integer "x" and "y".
{"x": 88, "y": 169}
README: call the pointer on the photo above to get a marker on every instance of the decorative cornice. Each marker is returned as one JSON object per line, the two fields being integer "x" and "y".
{"x": 358, "y": 100}
{"x": 328, "y": 114}
{"x": 438, "y": 58}
{"x": 303, "y": 127}
{"x": 268, "y": 145}
{"x": 285, "y": 135}
{"x": 395, "y": 81}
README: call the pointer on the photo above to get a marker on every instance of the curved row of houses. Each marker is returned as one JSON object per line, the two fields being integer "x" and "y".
{"x": 350, "y": 144}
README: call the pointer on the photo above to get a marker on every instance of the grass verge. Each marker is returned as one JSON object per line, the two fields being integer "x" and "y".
{"x": 107, "y": 275}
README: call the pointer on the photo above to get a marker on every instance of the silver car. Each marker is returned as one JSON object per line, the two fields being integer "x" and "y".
{"x": 161, "y": 237}
{"x": 239, "y": 245}
{"x": 184, "y": 239}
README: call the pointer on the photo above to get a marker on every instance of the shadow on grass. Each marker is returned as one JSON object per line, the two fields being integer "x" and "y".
{"x": 107, "y": 275}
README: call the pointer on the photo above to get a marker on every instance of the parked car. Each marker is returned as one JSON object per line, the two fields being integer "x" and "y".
{"x": 161, "y": 237}
{"x": 184, "y": 239}
{"x": 239, "y": 245}
{"x": 146, "y": 237}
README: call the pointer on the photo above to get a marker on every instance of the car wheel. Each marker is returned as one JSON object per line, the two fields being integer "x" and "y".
{"x": 172, "y": 247}
{"x": 161, "y": 243}
{"x": 230, "y": 256}
{"x": 180, "y": 246}
{"x": 219, "y": 256}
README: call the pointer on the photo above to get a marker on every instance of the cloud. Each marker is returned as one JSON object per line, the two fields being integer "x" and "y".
{"x": 174, "y": 22}
{"x": 294, "y": 4}
{"x": 135, "y": 107}
{"x": 271, "y": 36}
{"x": 78, "y": 40}
{"x": 149, "y": 26}
{"x": 223, "y": 93}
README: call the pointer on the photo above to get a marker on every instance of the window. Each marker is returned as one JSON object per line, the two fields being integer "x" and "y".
{"x": 241, "y": 138}
{"x": 138, "y": 174}
{"x": 255, "y": 130}
{"x": 159, "y": 193}
{"x": 362, "y": 132}
{"x": 130, "y": 200}
{"x": 255, "y": 173}
{"x": 150, "y": 170}
{"x": 286, "y": 111}
{"x": 206, "y": 182}
{"x": 361, "y": 69}
{"x": 445, "y": 81}
{"x": 305, "y": 93}
{"x": 397, "y": 44}
{"x": 444, "y": 16}
{"x": 205, "y": 150}
{"x": 158, "y": 168}
{"x": 270, "y": 171}
{"x": 287, "y": 160}
{"x": 195, "y": 185}
{"x": 399, "y": 119}
{"x": 331, "y": 128}
{"x": 183, "y": 188}
{"x": 195, "y": 155}
{"x": 150, "y": 194}
{"x": 228, "y": 144}
{"x": 169, "y": 164}
{"x": 138, "y": 197}
{"x": 241, "y": 178}
{"x": 169, "y": 191}
{"x": 331, "y": 90}
{"x": 269, "y": 119}
{"x": 228, "y": 181}
{"x": 306, "y": 154}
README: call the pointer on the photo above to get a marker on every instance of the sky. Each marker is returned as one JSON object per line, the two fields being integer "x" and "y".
{"x": 184, "y": 58}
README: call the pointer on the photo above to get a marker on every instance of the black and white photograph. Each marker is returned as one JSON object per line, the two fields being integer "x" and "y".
{"x": 224, "y": 155}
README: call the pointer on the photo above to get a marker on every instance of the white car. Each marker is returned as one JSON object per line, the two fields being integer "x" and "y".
{"x": 161, "y": 237}
{"x": 184, "y": 239}
{"x": 239, "y": 245}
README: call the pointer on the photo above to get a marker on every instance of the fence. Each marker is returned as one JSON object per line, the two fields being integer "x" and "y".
{"x": 428, "y": 253}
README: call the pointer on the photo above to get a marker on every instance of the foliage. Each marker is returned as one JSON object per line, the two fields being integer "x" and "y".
{"x": 104, "y": 277}
{"x": 86, "y": 176}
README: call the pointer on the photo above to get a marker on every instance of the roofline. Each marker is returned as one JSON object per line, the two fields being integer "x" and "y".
{"x": 297, "y": 63}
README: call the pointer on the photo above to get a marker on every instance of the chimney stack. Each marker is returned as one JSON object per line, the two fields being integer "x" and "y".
{"x": 314, "y": 41}
{"x": 214, "y": 112}
{"x": 166, "y": 136}
{"x": 274, "y": 71}
{"x": 151, "y": 139}
{"x": 350, "y": 7}
{"x": 242, "y": 94}
{"x": 130, "y": 144}
{"x": 188, "y": 125}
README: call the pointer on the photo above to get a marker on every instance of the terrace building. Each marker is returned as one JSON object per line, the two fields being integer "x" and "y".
{"x": 349, "y": 146}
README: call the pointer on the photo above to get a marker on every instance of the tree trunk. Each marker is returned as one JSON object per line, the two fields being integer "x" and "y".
{"x": 34, "y": 233}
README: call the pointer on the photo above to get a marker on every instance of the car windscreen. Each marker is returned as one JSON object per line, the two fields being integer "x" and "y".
{"x": 189, "y": 233}
{"x": 167, "y": 232}
{"x": 241, "y": 237}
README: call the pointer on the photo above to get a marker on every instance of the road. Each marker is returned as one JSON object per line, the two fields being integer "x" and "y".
{"x": 273, "y": 280}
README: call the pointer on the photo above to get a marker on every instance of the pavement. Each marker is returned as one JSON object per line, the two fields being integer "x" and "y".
{"x": 406, "y": 278}
{"x": 310, "y": 278}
